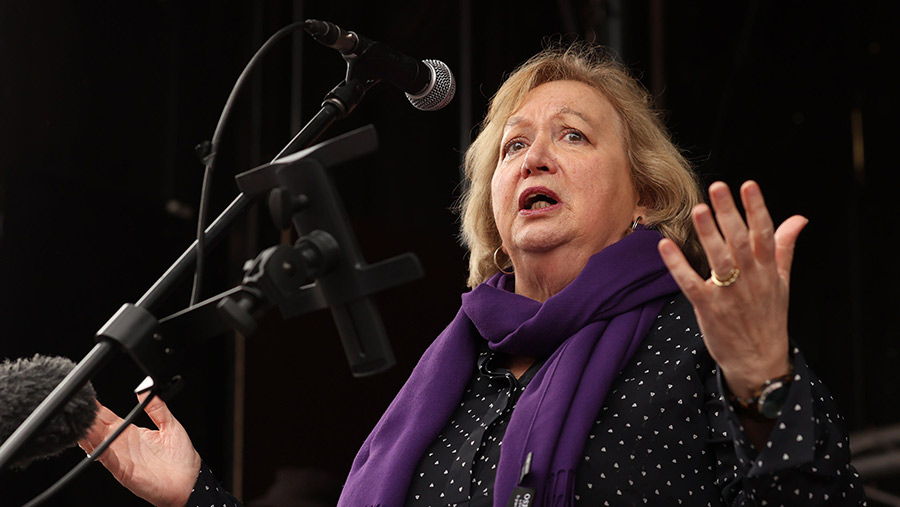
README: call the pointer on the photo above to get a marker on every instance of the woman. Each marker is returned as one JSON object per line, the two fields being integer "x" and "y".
{"x": 575, "y": 350}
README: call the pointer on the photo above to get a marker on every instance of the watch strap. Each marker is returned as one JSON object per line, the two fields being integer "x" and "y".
{"x": 766, "y": 401}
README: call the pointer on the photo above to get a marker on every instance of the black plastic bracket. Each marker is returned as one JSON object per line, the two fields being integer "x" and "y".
{"x": 137, "y": 332}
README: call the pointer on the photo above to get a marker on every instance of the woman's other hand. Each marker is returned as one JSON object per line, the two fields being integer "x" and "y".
{"x": 160, "y": 466}
{"x": 744, "y": 323}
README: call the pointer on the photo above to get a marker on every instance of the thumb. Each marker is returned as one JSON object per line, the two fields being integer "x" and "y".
{"x": 785, "y": 240}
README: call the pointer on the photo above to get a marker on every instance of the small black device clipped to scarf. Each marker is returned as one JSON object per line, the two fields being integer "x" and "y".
{"x": 522, "y": 496}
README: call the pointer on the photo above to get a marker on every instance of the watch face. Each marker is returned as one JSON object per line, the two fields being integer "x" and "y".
{"x": 772, "y": 399}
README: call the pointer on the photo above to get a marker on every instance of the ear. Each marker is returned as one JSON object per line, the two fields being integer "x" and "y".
{"x": 645, "y": 202}
{"x": 639, "y": 211}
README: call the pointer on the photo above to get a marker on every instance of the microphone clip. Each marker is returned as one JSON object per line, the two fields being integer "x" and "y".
{"x": 138, "y": 333}
{"x": 323, "y": 269}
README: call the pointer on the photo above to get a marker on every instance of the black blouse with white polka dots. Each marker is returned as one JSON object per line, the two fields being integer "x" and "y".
{"x": 665, "y": 436}
{"x": 459, "y": 467}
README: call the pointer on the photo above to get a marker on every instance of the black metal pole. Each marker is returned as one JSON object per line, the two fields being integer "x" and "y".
{"x": 177, "y": 270}
{"x": 337, "y": 104}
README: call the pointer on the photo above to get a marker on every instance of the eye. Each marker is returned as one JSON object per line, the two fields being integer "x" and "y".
{"x": 574, "y": 136}
{"x": 512, "y": 146}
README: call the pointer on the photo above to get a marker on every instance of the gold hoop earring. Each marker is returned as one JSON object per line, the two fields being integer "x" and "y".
{"x": 635, "y": 223}
{"x": 511, "y": 271}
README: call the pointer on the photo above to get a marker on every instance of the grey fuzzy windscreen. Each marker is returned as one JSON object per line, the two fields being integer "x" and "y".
{"x": 24, "y": 383}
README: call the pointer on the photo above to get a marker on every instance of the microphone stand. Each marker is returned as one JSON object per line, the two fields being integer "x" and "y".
{"x": 327, "y": 252}
{"x": 135, "y": 329}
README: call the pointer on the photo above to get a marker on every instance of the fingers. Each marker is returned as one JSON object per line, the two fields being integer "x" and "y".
{"x": 687, "y": 279}
{"x": 107, "y": 421}
{"x": 158, "y": 411}
{"x": 730, "y": 242}
{"x": 733, "y": 229}
{"x": 762, "y": 237}
{"x": 717, "y": 252}
{"x": 104, "y": 424}
{"x": 745, "y": 245}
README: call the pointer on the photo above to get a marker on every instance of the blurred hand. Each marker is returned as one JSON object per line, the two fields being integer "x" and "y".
{"x": 160, "y": 466}
{"x": 744, "y": 324}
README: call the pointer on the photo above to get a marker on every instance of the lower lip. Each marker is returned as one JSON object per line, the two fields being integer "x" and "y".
{"x": 532, "y": 212}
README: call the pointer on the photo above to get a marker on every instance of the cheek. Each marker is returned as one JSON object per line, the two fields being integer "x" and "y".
{"x": 496, "y": 199}
{"x": 613, "y": 185}
{"x": 611, "y": 202}
{"x": 500, "y": 190}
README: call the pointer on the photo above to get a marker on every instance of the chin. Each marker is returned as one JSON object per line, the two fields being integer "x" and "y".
{"x": 537, "y": 242}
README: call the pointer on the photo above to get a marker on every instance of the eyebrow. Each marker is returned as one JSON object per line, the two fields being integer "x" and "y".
{"x": 514, "y": 120}
{"x": 568, "y": 110}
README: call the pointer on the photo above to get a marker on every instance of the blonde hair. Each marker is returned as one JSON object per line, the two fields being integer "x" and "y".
{"x": 661, "y": 175}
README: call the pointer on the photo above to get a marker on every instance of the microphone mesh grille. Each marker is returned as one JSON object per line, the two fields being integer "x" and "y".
{"x": 440, "y": 93}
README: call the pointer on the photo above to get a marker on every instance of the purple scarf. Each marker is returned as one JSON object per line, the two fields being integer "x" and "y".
{"x": 589, "y": 330}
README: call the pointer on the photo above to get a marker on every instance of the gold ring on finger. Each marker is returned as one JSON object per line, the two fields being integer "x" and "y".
{"x": 725, "y": 281}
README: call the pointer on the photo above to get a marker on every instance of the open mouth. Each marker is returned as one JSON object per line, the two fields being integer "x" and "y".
{"x": 537, "y": 198}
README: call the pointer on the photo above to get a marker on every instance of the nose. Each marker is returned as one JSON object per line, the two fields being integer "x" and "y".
{"x": 539, "y": 158}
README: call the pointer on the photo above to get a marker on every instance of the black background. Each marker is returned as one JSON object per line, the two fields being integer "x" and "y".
{"x": 101, "y": 104}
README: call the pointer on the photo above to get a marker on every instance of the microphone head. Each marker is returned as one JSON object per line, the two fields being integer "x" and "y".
{"x": 441, "y": 90}
{"x": 24, "y": 384}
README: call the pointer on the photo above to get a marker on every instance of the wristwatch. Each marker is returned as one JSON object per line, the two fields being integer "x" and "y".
{"x": 767, "y": 400}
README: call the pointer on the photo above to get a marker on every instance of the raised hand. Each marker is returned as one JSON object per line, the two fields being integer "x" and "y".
{"x": 159, "y": 465}
{"x": 742, "y": 308}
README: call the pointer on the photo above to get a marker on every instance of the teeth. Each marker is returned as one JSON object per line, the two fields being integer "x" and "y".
{"x": 540, "y": 205}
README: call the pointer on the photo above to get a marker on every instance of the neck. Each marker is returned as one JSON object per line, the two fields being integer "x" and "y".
{"x": 542, "y": 274}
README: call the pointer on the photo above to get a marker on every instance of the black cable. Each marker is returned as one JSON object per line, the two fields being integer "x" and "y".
{"x": 86, "y": 462}
{"x": 208, "y": 150}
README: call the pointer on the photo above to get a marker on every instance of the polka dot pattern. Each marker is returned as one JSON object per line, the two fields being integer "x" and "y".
{"x": 208, "y": 492}
{"x": 459, "y": 466}
{"x": 665, "y": 436}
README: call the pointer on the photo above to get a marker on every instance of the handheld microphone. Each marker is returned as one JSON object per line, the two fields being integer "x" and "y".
{"x": 24, "y": 384}
{"x": 429, "y": 84}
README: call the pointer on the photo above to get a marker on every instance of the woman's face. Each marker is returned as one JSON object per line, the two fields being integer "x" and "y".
{"x": 563, "y": 179}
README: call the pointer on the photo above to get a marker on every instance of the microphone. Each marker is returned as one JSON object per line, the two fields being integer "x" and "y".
{"x": 429, "y": 84}
{"x": 24, "y": 384}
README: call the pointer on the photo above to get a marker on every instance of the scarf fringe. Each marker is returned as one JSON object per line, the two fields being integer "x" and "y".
{"x": 562, "y": 491}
